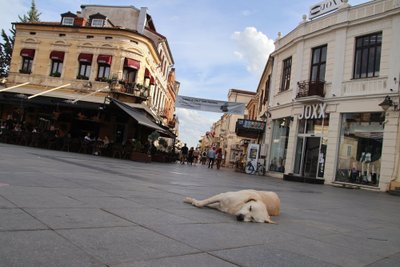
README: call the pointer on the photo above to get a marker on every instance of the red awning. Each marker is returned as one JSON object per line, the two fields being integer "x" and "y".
{"x": 85, "y": 57}
{"x": 152, "y": 80}
{"x": 28, "y": 53}
{"x": 57, "y": 55}
{"x": 131, "y": 63}
{"x": 105, "y": 59}
{"x": 147, "y": 73}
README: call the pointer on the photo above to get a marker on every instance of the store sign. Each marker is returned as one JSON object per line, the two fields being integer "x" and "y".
{"x": 324, "y": 7}
{"x": 315, "y": 111}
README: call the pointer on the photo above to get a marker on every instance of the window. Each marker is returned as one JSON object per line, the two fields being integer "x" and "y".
{"x": 84, "y": 70}
{"x": 26, "y": 65}
{"x": 27, "y": 60}
{"x": 57, "y": 58}
{"x": 280, "y": 137}
{"x": 103, "y": 72}
{"x": 97, "y": 23}
{"x": 367, "y": 57}
{"x": 287, "y": 68}
{"x": 56, "y": 68}
{"x": 360, "y": 149}
{"x": 267, "y": 86}
{"x": 318, "y": 64}
{"x": 67, "y": 21}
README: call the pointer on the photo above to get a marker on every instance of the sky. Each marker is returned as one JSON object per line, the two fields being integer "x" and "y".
{"x": 217, "y": 45}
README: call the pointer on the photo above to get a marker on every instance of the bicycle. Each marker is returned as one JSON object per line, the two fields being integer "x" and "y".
{"x": 249, "y": 169}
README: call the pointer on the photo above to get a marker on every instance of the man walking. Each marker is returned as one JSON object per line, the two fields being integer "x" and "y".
{"x": 211, "y": 157}
{"x": 184, "y": 154}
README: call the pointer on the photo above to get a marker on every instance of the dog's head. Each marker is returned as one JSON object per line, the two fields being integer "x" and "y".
{"x": 254, "y": 211}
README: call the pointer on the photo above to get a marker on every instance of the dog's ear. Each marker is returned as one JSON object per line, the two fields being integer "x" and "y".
{"x": 250, "y": 199}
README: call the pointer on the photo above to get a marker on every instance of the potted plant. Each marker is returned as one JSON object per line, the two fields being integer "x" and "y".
{"x": 138, "y": 153}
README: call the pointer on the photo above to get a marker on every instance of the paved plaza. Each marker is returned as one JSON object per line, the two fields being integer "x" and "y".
{"x": 68, "y": 209}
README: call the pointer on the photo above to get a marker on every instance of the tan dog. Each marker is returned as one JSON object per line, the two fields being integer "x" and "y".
{"x": 246, "y": 205}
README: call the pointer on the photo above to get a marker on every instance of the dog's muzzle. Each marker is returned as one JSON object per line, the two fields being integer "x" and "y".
{"x": 240, "y": 217}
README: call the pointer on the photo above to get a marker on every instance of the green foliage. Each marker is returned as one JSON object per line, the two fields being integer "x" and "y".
{"x": 137, "y": 146}
{"x": 32, "y": 15}
{"x": 153, "y": 136}
{"x": 163, "y": 143}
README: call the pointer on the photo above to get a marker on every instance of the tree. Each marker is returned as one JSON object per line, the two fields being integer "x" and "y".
{"x": 32, "y": 15}
{"x": 6, "y": 47}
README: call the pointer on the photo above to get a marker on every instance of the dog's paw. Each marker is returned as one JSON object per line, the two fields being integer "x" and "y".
{"x": 188, "y": 200}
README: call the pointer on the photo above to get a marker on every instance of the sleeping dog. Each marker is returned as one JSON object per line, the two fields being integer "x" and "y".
{"x": 246, "y": 205}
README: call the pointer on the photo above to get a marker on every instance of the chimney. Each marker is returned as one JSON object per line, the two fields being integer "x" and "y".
{"x": 80, "y": 22}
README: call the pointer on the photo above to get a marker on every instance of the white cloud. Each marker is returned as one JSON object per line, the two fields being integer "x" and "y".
{"x": 254, "y": 48}
{"x": 193, "y": 124}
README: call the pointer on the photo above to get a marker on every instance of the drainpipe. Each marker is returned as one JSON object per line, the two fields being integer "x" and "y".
{"x": 395, "y": 182}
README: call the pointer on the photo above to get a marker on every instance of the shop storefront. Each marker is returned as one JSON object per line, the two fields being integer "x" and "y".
{"x": 360, "y": 148}
{"x": 279, "y": 144}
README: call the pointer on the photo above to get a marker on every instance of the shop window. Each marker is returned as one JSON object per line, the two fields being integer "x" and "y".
{"x": 286, "y": 72}
{"x": 359, "y": 157}
{"x": 367, "y": 56}
{"x": 280, "y": 137}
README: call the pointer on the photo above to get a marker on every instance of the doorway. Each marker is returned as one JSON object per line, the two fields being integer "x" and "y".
{"x": 310, "y": 157}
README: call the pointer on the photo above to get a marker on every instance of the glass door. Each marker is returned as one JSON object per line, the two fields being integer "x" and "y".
{"x": 311, "y": 155}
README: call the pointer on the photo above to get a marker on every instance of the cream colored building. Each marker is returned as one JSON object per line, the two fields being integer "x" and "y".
{"x": 98, "y": 52}
{"x": 224, "y": 129}
{"x": 330, "y": 75}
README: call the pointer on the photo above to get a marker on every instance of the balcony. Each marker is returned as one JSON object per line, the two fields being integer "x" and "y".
{"x": 310, "y": 90}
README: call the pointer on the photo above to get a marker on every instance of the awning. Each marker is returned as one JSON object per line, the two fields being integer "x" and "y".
{"x": 138, "y": 116}
{"x": 28, "y": 53}
{"x": 147, "y": 73}
{"x": 57, "y": 55}
{"x": 105, "y": 59}
{"x": 131, "y": 63}
{"x": 85, "y": 57}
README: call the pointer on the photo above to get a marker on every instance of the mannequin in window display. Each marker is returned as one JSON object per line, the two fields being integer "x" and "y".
{"x": 365, "y": 160}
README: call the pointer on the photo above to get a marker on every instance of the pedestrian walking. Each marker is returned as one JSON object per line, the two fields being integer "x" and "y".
{"x": 218, "y": 157}
{"x": 190, "y": 157}
{"x": 184, "y": 153}
{"x": 211, "y": 157}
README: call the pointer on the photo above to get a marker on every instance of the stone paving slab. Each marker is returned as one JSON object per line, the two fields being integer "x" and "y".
{"x": 18, "y": 219}
{"x": 41, "y": 248}
{"x": 77, "y": 218}
{"x": 196, "y": 260}
{"x": 69, "y": 209}
{"x": 121, "y": 244}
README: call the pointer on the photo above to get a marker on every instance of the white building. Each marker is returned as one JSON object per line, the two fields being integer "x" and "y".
{"x": 329, "y": 77}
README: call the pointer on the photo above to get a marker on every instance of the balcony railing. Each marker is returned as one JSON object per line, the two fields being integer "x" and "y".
{"x": 308, "y": 88}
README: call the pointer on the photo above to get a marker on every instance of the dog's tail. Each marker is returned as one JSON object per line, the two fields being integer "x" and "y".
{"x": 270, "y": 221}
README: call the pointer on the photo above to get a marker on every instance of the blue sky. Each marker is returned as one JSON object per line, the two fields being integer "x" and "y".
{"x": 217, "y": 45}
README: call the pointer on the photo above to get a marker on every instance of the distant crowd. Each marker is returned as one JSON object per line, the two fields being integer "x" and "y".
{"x": 194, "y": 156}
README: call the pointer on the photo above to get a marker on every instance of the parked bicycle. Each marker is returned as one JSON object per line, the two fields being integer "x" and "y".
{"x": 249, "y": 169}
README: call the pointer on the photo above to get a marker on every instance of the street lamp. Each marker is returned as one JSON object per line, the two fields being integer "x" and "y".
{"x": 387, "y": 103}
